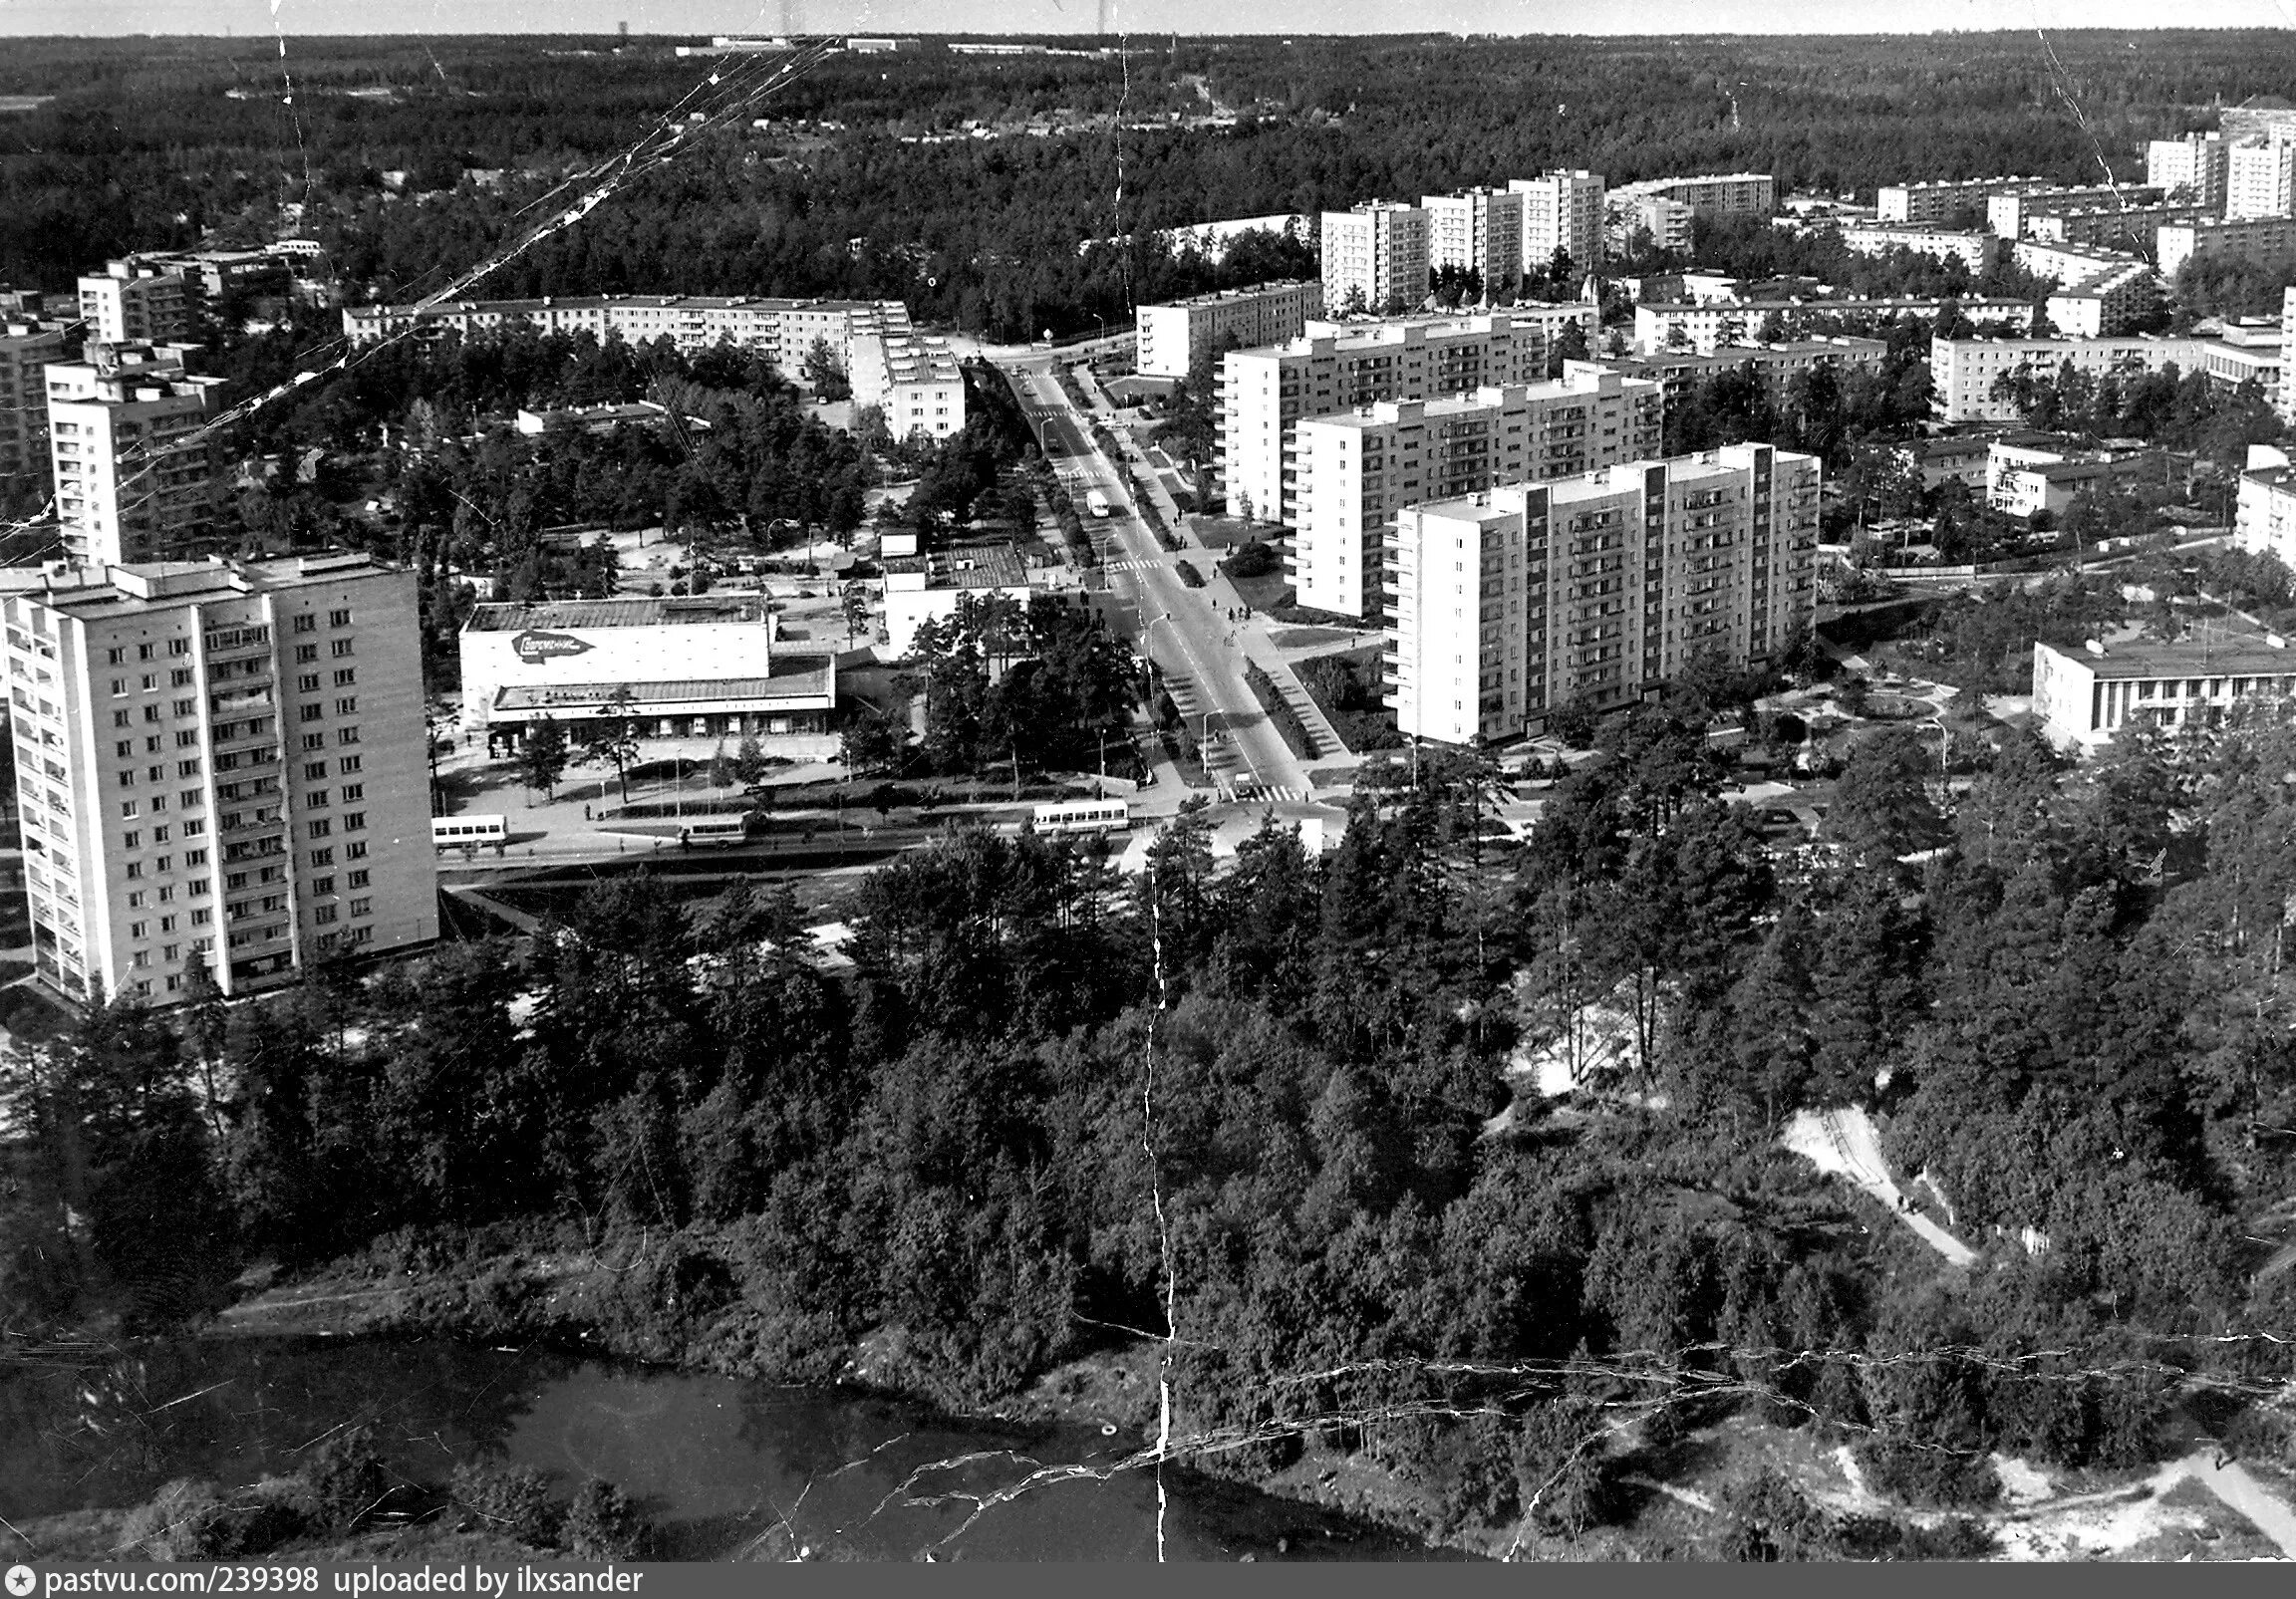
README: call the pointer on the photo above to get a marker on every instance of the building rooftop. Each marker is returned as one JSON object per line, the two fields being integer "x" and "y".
{"x": 83, "y": 591}
{"x": 699, "y": 610}
{"x": 2237, "y": 654}
{"x": 794, "y": 677}
{"x": 1228, "y": 296}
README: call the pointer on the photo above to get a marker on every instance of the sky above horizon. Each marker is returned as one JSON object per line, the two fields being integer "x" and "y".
{"x": 699, "y": 18}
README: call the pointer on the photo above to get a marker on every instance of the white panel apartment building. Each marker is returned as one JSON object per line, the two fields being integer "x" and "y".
{"x": 1375, "y": 257}
{"x": 1265, "y": 394}
{"x": 1711, "y": 195}
{"x": 1176, "y": 336}
{"x": 2260, "y": 179}
{"x": 219, "y": 763}
{"x": 1939, "y": 203}
{"x": 2269, "y": 241}
{"x": 134, "y": 480}
{"x": 1963, "y": 371}
{"x": 915, "y": 377}
{"x": 1703, "y": 329}
{"x": 27, "y": 347}
{"x": 1562, "y": 209}
{"x": 1477, "y": 230}
{"x": 1357, "y": 471}
{"x": 2198, "y": 167}
{"x": 136, "y": 301}
{"x": 2011, "y": 215}
{"x": 1975, "y": 250}
{"x": 1593, "y": 589}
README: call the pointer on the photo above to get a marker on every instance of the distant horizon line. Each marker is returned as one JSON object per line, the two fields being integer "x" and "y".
{"x": 1286, "y": 34}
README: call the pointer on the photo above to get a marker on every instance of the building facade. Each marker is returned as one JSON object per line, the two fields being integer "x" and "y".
{"x": 1174, "y": 337}
{"x": 139, "y": 301}
{"x": 1955, "y": 201}
{"x": 1266, "y": 394}
{"x": 126, "y": 443}
{"x": 2110, "y": 303}
{"x": 2267, "y": 241}
{"x": 2196, "y": 167}
{"x": 219, "y": 763}
{"x": 2111, "y": 227}
{"x": 27, "y": 348}
{"x": 1562, "y": 210}
{"x": 1356, "y": 471}
{"x": 1976, "y": 250}
{"x": 1963, "y": 372}
{"x": 1374, "y": 258}
{"x": 694, "y": 668}
{"x": 2260, "y": 178}
{"x": 1597, "y": 589}
{"x": 2266, "y": 522}
{"x": 1712, "y": 195}
{"x": 2011, "y": 215}
{"x": 1662, "y": 327}
{"x": 2083, "y": 697}
{"x": 1477, "y": 230}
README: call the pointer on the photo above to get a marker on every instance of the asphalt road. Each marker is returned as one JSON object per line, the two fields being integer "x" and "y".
{"x": 1187, "y": 631}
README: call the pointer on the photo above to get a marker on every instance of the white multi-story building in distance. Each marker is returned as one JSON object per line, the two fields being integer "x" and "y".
{"x": 137, "y": 301}
{"x": 2110, "y": 303}
{"x": 1356, "y": 470}
{"x": 1336, "y": 366}
{"x": 2125, "y": 227}
{"x": 1593, "y": 589}
{"x": 2267, "y": 241}
{"x": 218, "y": 763}
{"x": 1562, "y": 210}
{"x": 1477, "y": 230}
{"x": 1661, "y": 326}
{"x": 2196, "y": 168}
{"x": 2260, "y": 178}
{"x": 27, "y": 347}
{"x": 1374, "y": 258}
{"x": 1175, "y": 336}
{"x": 134, "y": 478}
{"x": 1711, "y": 195}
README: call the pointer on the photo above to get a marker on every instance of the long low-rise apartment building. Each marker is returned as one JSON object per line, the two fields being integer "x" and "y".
{"x": 2267, "y": 241}
{"x": 1952, "y": 201}
{"x": 1175, "y": 336}
{"x": 915, "y": 378}
{"x": 2082, "y": 697}
{"x": 1963, "y": 372}
{"x": 1592, "y": 590}
{"x": 2110, "y": 303}
{"x": 1976, "y": 250}
{"x": 1356, "y": 471}
{"x": 2009, "y": 215}
{"x": 2113, "y": 227}
{"x": 1336, "y": 366}
{"x": 1777, "y": 364}
{"x": 1662, "y": 327}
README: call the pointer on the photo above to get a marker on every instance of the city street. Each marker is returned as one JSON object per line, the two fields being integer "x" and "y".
{"x": 1185, "y": 631}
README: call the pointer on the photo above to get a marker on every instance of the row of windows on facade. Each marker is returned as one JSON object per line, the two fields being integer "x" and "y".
{"x": 304, "y": 622}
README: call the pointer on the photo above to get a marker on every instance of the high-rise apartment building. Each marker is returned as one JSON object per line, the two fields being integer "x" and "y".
{"x": 1374, "y": 258}
{"x": 1265, "y": 394}
{"x": 27, "y": 346}
{"x": 1477, "y": 230}
{"x": 134, "y": 477}
{"x": 2196, "y": 167}
{"x": 1593, "y": 589}
{"x": 1356, "y": 471}
{"x": 1562, "y": 210}
{"x": 139, "y": 301}
{"x": 2260, "y": 179}
{"x": 218, "y": 763}
{"x": 1174, "y": 337}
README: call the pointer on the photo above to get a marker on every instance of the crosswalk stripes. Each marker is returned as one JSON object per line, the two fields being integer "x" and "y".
{"x": 1244, "y": 792}
{"x": 1128, "y": 566}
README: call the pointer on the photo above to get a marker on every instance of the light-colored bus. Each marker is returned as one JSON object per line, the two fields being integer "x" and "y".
{"x": 713, "y": 832}
{"x": 453, "y": 832}
{"x": 1084, "y": 816}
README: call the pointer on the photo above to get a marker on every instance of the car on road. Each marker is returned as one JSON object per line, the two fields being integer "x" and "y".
{"x": 1097, "y": 502}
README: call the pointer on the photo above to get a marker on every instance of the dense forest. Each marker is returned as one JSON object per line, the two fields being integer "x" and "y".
{"x": 1043, "y": 1087}
{"x": 145, "y": 144}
